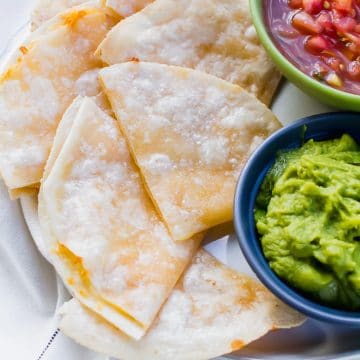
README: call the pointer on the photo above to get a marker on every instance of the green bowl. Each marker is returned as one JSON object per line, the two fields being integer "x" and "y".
{"x": 314, "y": 88}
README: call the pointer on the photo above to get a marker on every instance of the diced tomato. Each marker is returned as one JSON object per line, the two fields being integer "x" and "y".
{"x": 343, "y": 5}
{"x": 348, "y": 52}
{"x": 357, "y": 28}
{"x": 305, "y": 23}
{"x": 295, "y": 4}
{"x": 353, "y": 69}
{"x": 355, "y": 51}
{"x": 313, "y": 6}
{"x": 316, "y": 44}
{"x": 353, "y": 38}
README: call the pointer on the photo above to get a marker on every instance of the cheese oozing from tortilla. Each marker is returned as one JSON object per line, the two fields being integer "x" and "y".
{"x": 215, "y": 36}
{"x": 40, "y": 83}
{"x": 108, "y": 243}
{"x": 190, "y": 134}
{"x": 25, "y": 191}
{"x": 212, "y": 311}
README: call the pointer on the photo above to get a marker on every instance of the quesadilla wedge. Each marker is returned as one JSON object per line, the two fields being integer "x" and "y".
{"x": 106, "y": 239}
{"x": 40, "y": 83}
{"x": 86, "y": 85}
{"x": 190, "y": 134}
{"x": 212, "y": 311}
{"x": 215, "y": 36}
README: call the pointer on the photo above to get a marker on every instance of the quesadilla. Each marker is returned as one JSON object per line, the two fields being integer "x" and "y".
{"x": 212, "y": 311}
{"x": 215, "y": 36}
{"x": 40, "y": 83}
{"x": 190, "y": 134}
{"x": 106, "y": 239}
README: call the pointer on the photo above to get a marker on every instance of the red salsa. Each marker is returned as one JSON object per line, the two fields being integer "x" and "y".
{"x": 320, "y": 37}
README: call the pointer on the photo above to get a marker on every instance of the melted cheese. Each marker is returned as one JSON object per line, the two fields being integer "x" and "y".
{"x": 190, "y": 134}
{"x": 25, "y": 191}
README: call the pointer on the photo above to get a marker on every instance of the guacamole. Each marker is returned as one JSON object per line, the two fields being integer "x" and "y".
{"x": 307, "y": 214}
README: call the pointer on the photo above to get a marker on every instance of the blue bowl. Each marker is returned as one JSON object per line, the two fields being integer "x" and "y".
{"x": 318, "y": 127}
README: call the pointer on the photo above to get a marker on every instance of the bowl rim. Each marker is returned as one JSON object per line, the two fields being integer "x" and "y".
{"x": 256, "y": 9}
{"x": 260, "y": 265}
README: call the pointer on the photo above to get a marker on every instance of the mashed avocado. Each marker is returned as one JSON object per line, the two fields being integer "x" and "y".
{"x": 308, "y": 217}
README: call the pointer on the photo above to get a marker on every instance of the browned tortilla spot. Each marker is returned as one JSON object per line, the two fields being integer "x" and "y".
{"x": 237, "y": 345}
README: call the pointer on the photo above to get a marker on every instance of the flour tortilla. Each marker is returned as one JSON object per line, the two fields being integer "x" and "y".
{"x": 215, "y": 36}
{"x": 190, "y": 134}
{"x": 40, "y": 83}
{"x": 62, "y": 132}
{"x": 126, "y": 8}
{"x": 106, "y": 239}
{"x": 86, "y": 85}
{"x": 212, "y": 311}
{"x": 46, "y": 9}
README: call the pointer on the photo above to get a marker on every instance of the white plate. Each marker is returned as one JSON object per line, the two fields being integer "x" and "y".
{"x": 313, "y": 340}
